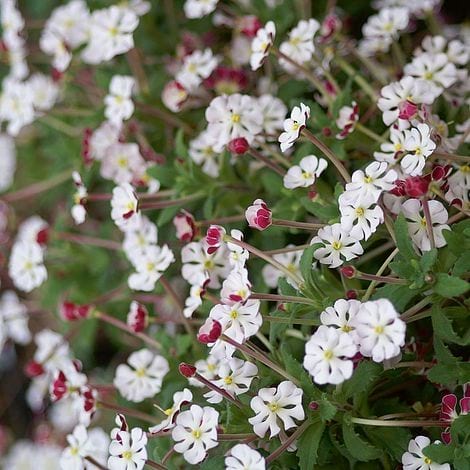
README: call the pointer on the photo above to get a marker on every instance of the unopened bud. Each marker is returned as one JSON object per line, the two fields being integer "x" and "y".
{"x": 348, "y": 271}
{"x": 187, "y": 370}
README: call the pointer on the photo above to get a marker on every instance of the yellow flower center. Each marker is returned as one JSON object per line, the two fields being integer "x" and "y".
{"x": 295, "y": 126}
{"x": 306, "y": 175}
{"x": 208, "y": 264}
{"x": 465, "y": 168}
{"x": 337, "y": 245}
{"x": 291, "y": 267}
{"x": 233, "y": 314}
{"x": 192, "y": 68}
{"x": 28, "y": 266}
{"x": 368, "y": 179}
{"x": 236, "y": 118}
{"x": 140, "y": 372}
{"x": 150, "y": 266}
{"x": 427, "y": 461}
{"x": 294, "y": 41}
{"x": 398, "y": 147}
{"x": 360, "y": 212}
{"x": 127, "y": 455}
{"x": 273, "y": 406}
{"x": 122, "y": 162}
{"x": 211, "y": 367}
{"x": 428, "y": 76}
{"x": 113, "y": 31}
{"x": 379, "y": 329}
{"x": 346, "y": 328}
{"x": 228, "y": 380}
{"x": 328, "y": 354}
{"x": 418, "y": 151}
{"x": 423, "y": 222}
{"x": 388, "y": 27}
{"x": 168, "y": 411}
{"x": 74, "y": 450}
{"x": 196, "y": 433}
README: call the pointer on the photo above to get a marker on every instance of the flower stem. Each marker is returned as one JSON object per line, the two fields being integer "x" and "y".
{"x": 265, "y": 257}
{"x": 395, "y": 423}
{"x": 328, "y": 153}
{"x": 95, "y": 463}
{"x": 153, "y": 464}
{"x": 287, "y": 249}
{"x": 286, "y": 444}
{"x": 416, "y": 308}
{"x": 359, "y": 79}
{"x": 86, "y": 240}
{"x": 127, "y": 411}
{"x": 124, "y": 327}
{"x": 61, "y": 126}
{"x": 280, "y": 298}
{"x": 269, "y": 163}
{"x": 451, "y": 156}
{"x": 261, "y": 358}
{"x": 218, "y": 390}
{"x": 38, "y": 188}
{"x": 382, "y": 268}
{"x": 366, "y": 131}
{"x": 169, "y": 203}
{"x": 165, "y": 116}
{"x": 221, "y": 220}
{"x": 295, "y": 224}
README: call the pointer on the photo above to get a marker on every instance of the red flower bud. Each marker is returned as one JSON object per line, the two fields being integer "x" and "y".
{"x": 249, "y": 25}
{"x": 187, "y": 370}
{"x": 56, "y": 75}
{"x": 238, "y": 146}
{"x": 59, "y": 387}
{"x": 137, "y": 318}
{"x": 326, "y": 131}
{"x": 42, "y": 237}
{"x": 313, "y": 405}
{"x": 214, "y": 238}
{"x": 258, "y": 215}
{"x": 407, "y": 110}
{"x": 185, "y": 225}
{"x": 416, "y": 186}
{"x": 70, "y": 311}
{"x": 348, "y": 271}
{"x": 33, "y": 369}
{"x": 351, "y": 294}
{"x": 209, "y": 332}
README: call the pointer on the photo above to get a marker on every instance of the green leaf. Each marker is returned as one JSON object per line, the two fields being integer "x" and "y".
{"x": 364, "y": 376}
{"x": 326, "y": 409}
{"x": 462, "y": 265}
{"x": 358, "y": 447}
{"x": 399, "y": 295}
{"x": 439, "y": 453}
{"x": 308, "y": 444}
{"x": 460, "y": 429}
{"x": 428, "y": 259}
{"x": 306, "y": 263}
{"x": 443, "y": 355}
{"x": 395, "y": 440}
{"x": 443, "y": 328}
{"x": 450, "y": 286}
{"x": 404, "y": 243}
{"x": 180, "y": 147}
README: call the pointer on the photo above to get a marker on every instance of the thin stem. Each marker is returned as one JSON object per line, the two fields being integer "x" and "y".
{"x": 261, "y": 358}
{"x": 415, "y": 364}
{"x": 95, "y": 463}
{"x": 86, "y": 240}
{"x": 382, "y": 268}
{"x": 266, "y": 161}
{"x": 221, "y": 220}
{"x": 165, "y": 116}
{"x": 234, "y": 437}
{"x": 288, "y": 249}
{"x": 450, "y": 156}
{"x": 276, "y": 155}
{"x": 267, "y": 258}
{"x": 427, "y": 217}
{"x": 404, "y": 423}
{"x": 419, "y": 316}
{"x": 293, "y": 321}
{"x": 416, "y": 308}
{"x": 295, "y": 224}
{"x": 61, "y": 126}
{"x": 358, "y": 78}
{"x": 398, "y": 53}
{"x": 218, "y": 390}
{"x": 375, "y": 252}
{"x": 38, "y": 188}
{"x": 169, "y": 203}
{"x": 124, "y": 327}
{"x": 366, "y": 131}
{"x": 280, "y": 298}
{"x": 153, "y": 464}
{"x": 127, "y": 411}
{"x": 135, "y": 63}
{"x": 328, "y": 153}
{"x": 286, "y": 444}
{"x": 380, "y": 279}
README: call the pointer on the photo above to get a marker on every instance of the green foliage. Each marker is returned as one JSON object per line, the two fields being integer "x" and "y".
{"x": 308, "y": 445}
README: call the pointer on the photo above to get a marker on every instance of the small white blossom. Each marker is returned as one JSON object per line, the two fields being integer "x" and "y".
{"x": 326, "y": 354}
{"x": 196, "y": 67}
{"x": 26, "y": 267}
{"x": 243, "y": 457}
{"x": 202, "y": 151}
{"x": 179, "y": 399}
{"x": 360, "y": 220}
{"x": 143, "y": 377}
{"x": 195, "y": 433}
{"x": 418, "y": 146}
{"x": 199, "y": 8}
{"x": 261, "y": 44}
{"x": 390, "y": 151}
{"x": 124, "y": 207}
{"x": 305, "y": 173}
{"x": 128, "y": 450}
{"x": 387, "y": 23}
{"x": 119, "y": 106}
{"x": 293, "y": 126}
{"x": 379, "y": 329}
{"x": 341, "y": 315}
{"x": 415, "y": 459}
{"x": 282, "y": 403}
{"x": 7, "y": 162}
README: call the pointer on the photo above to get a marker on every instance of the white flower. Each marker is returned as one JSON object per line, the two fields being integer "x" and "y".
{"x": 124, "y": 207}
{"x": 417, "y": 225}
{"x": 128, "y": 450}
{"x": 16, "y": 105}
{"x": 236, "y": 288}
{"x": 51, "y": 43}
{"x": 305, "y": 173}
{"x": 44, "y": 90}
{"x": 198, "y": 264}
{"x": 110, "y": 34}
{"x": 230, "y": 117}
{"x": 390, "y": 151}
{"x": 26, "y": 267}
{"x": 201, "y": 150}
{"x": 140, "y": 239}
{"x": 235, "y": 376}
{"x": 272, "y": 404}
{"x": 150, "y": 266}
{"x": 273, "y": 111}
{"x": 73, "y": 456}
{"x": 367, "y": 186}
{"x": 341, "y": 315}
{"x": 347, "y": 118}
{"x": 30, "y": 228}
{"x": 435, "y": 69}
{"x": 325, "y": 355}
{"x": 387, "y": 23}
{"x": 293, "y": 126}
{"x": 143, "y": 377}
{"x": 119, "y": 106}
{"x": 338, "y": 244}
{"x": 418, "y": 142}
{"x": 379, "y": 330}
{"x": 238, "y": 255}
{"x": 243, "y": 457}
{"x": 122, "y": 162}
{"x": 360, "y": 220}
{"x": 102, "y": 138}
{"x": 52, "y": 351}
{"x": 291, "y": 260}
{"x": 196, "y": 67}
{"x": 239, "y": 321}
{"x": 195, "y": 433}
{"x": 179, "y": 399}
{"x": 415, "y": 459}
{"x": 14, "y": 318}
{"x": 395, "y": 95}
{"x": 7, "y": 162}
{"x": 261, "y": 44}
{"x": 78, "y": 210}
{"x": 199, "y": 8}
{"x": 299, "y": 47}
{"x": 207, "y": 368}
{"x": 373, "y": 45}
{"x": 457, "y": 52}
{"x": 194, "y": 300}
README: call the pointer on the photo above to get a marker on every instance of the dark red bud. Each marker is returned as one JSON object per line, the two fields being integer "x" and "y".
{"x": 187, "y": 370}
{"x": 238, "y": 146}
{"x": 33, "y": 369}
{"x": 348, "y": 271}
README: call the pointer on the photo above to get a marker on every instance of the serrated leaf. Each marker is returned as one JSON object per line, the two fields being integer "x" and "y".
{"x": 439, "y": 453}
{"x": 358, "y": 447}
{"x": 395, "y": 440}
{"x": 363, "y": 377}
{"x": 450, "y": 286}
{"x": 326, "y": 409}
{"x": 428, "y": 260}
{"x": 462, "y": 265}
{"x": 306, "y": 263}
{"x": 443, "y": 328}
{"x": 404, "y": 243}
{"x": 308, "y": 444}
{"x": 443, "y": 355}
